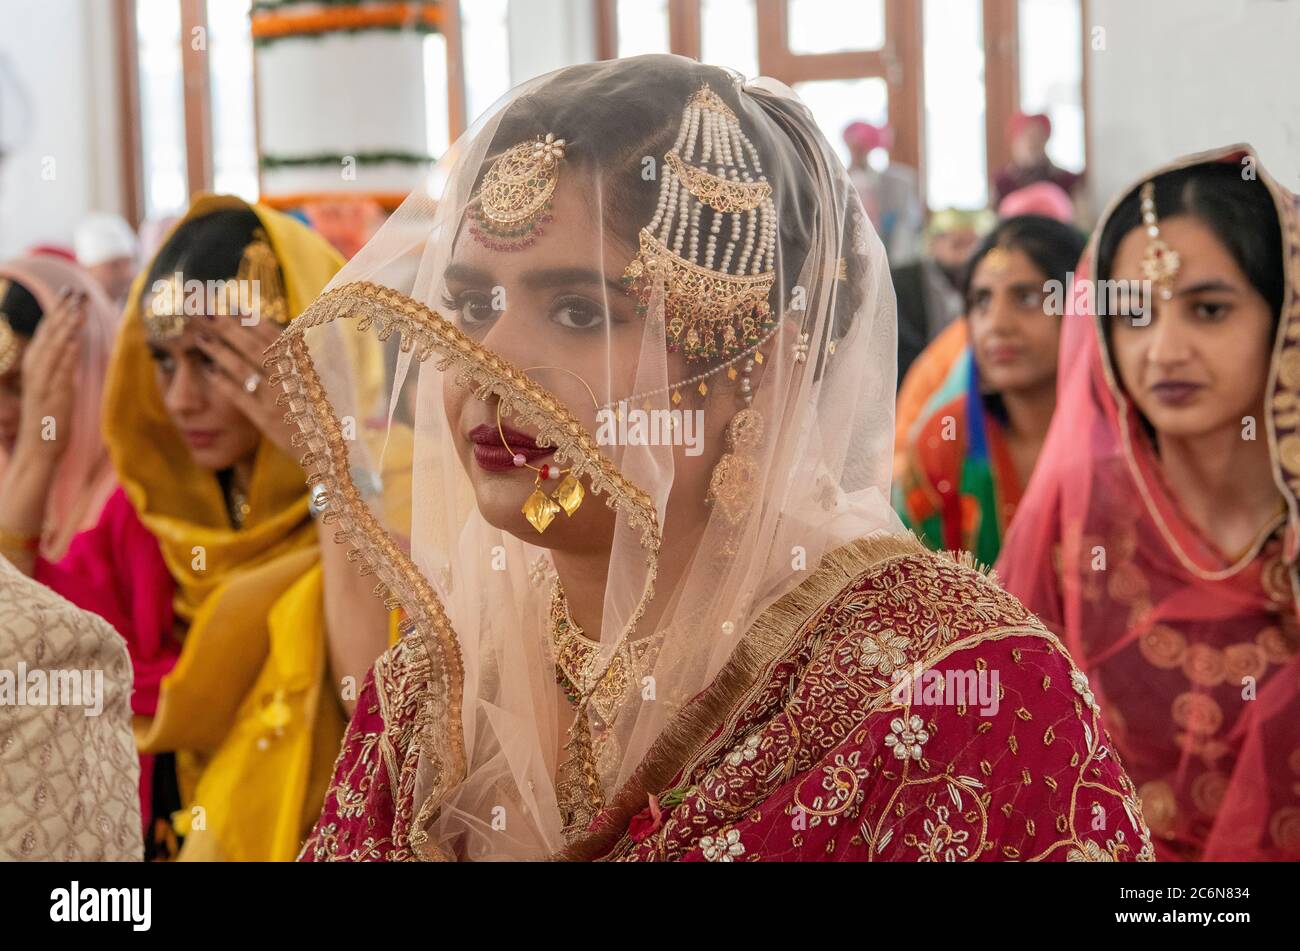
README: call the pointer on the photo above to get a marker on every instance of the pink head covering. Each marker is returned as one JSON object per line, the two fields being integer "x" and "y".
{"x": 864, "y": 135}
{"x": 1168, "y": 597}
{"x": 52, "y": 251}
{"x": 85, "y": 477}
{"x": 1041, "y": 198}
{"x": 1020, "y": 121}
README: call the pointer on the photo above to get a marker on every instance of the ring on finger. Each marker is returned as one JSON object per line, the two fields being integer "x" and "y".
{"x": 252, "y": 382}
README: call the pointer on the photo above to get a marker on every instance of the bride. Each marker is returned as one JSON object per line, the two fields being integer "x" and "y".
{"x": 628, "y": 651}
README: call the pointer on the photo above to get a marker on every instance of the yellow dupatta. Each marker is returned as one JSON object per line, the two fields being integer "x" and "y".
{"x": 246, "y": 707}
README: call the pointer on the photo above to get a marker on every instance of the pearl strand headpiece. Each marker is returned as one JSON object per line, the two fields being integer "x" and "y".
{"x": 712, "y": 186}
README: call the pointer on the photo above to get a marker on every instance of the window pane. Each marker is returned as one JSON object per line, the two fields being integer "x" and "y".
{"x": 1051, "y": 74}
{"x": 162, "y": 107}
{"x": 485, "y": 39}
{"x": 642, "y": 27}
{"x": 729, "y": 35}
{"x": 230, "y": 77}
{"x": 837, "y": 102}
{"x": 437, "y": 120}
{"x": 956, "y": 167}
{"x": 833, "y": 26}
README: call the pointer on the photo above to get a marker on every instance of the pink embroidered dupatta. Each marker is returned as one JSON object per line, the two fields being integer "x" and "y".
{"x": 1192, "y": 655}
{"x": 85, "y": 477}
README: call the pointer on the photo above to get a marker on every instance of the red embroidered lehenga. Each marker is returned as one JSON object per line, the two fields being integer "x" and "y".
{"x": 781, "y": 674}
{"x": 1192, "y": 654}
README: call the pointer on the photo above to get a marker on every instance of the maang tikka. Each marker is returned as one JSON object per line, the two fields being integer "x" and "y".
{"x": 168, "y": 311}
{"x": 712, "y": 240}
{"x": 1160, "y": 263}
{"x": 514, "y": 200}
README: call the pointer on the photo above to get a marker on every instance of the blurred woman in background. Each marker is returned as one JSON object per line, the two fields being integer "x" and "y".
{"x": 971, "y": 455}
{"x": 1159, "y": 536}
{"x": 56, "y": 332}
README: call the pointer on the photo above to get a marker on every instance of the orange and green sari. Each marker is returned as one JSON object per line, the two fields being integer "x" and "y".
{"x": 958, "y": 488}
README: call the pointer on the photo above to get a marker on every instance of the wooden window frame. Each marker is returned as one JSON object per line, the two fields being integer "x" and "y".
{"x": 126, "y": 48}
{"x": 900, "y": 63}
{"x": 196, "y": 78}
{"x": 1001, "y": 82}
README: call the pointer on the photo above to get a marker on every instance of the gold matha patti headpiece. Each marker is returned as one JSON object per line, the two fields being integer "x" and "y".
{"x": 1160, "y": 263}
{"x": 514, "y": 200}
{"x": 256, "y": 292}
{"x": 712, "y": 240}
{"x": 8, "y": 339}
{"x": 997, "y": 259}
{"x": 259, "y": 272}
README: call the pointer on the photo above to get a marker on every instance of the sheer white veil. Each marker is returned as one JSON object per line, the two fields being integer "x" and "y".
{"x": 480, "y": 312}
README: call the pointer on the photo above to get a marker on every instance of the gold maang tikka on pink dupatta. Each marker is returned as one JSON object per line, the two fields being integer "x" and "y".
{"x": 1160, "y": 263}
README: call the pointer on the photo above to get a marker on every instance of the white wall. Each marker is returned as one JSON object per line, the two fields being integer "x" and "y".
{"x": 1181, "y": 76}
{"x": 62, "y": 51}
{"x": 546, "y": 35}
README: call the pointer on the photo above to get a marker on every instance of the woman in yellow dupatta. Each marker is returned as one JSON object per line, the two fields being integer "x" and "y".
{"x": 265, "y": 613}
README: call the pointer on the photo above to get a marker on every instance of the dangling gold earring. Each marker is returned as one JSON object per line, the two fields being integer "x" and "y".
{"x": 733, "y": 486}
{"x": 539, "y": 508}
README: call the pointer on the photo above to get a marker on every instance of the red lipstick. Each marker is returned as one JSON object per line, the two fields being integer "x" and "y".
{"x": 492, "y": 455}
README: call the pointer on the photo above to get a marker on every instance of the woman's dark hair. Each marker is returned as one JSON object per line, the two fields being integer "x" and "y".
{"x": 1239, "y": 211}
{"x": 22, "y": 310}
{"x": 1053, "y": 246}
{"x": 207, "y": 248}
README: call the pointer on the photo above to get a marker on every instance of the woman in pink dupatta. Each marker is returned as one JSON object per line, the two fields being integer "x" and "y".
{"x": 88, "y": 545}
{"x": 36, "y": 292}
{"x": 1158, "y": 535}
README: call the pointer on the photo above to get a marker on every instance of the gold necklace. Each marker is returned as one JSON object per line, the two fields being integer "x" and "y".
{"x": 577, "y": 661}
{"x": 238, "y": 505}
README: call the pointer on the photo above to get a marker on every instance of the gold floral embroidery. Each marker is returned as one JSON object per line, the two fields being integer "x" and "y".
{"x": 1163, "y": 646}
{"x": 943, "y": 843}
{"x": 792, "y": 726}
{"x": 1284, "y": 829}
{"x": 1159, "y": 807}
{"x": 725, "y": 847}
{"x": 1197, "y": 713}
{"x": 883, "y": 651}
{"x": 1088, "y": 851}
{"x": 907, "y": 737}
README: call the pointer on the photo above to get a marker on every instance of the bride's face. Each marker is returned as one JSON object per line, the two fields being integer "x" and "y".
{"x": 557, "y": 309}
